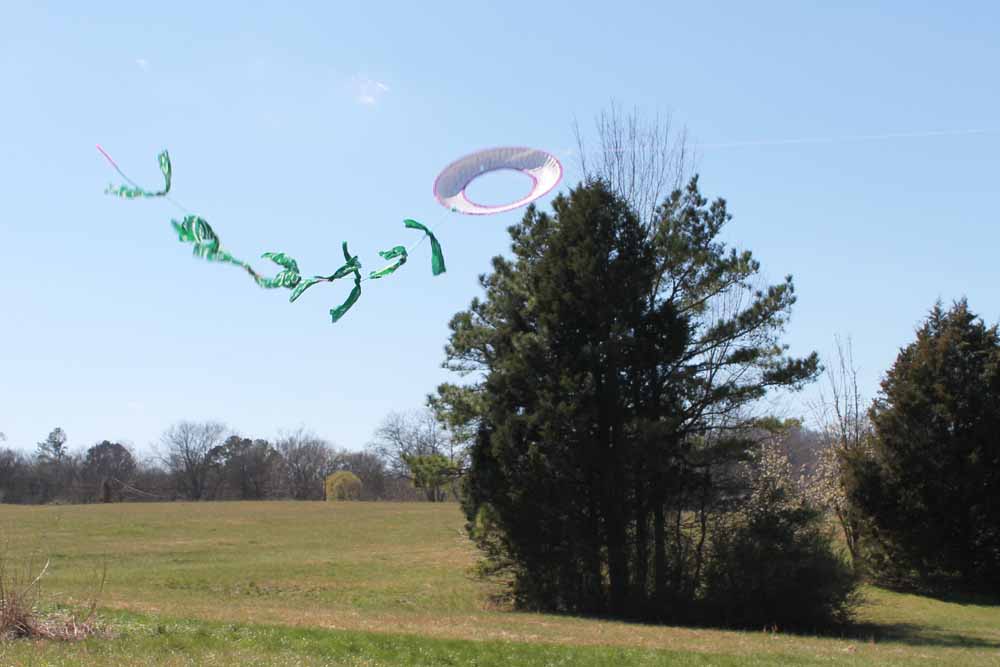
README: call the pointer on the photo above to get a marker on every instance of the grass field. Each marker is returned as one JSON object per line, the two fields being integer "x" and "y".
{"x": 290, "y": 583}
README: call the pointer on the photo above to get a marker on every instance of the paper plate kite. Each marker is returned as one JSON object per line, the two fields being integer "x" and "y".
{"x": 544, "y": 170}
{"x": 449, "y": 188}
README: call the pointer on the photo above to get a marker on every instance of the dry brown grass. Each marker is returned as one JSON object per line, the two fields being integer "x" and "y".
{"x": 23, "y": 614}
{"x": 20, "y": 585}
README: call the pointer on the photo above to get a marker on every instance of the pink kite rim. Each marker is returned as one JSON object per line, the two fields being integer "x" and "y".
{"x": 499, "y": 208}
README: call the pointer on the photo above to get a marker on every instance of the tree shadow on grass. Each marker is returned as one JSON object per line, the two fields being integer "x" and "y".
{"x": 964, "y": 598}
{"x": 912, "y": 634}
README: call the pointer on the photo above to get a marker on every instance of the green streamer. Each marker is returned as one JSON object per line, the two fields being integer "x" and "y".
{"x": 352, "y": 265}
{"x": 437, "y": 257}
{"x": 304, "y": 285}
{"x": 338, "y": 312}
{"x": 134, "y": 191}
{"x": 288, "y": 278}
{"x": 207, "y": 245}
{"x": 398, "y": 253}
{"x": 195, "y": 230}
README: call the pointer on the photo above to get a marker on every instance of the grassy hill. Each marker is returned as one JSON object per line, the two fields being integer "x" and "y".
{"x": 386, "y": 584}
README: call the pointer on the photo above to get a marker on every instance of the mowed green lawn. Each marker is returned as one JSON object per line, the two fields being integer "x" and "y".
{"x": 297, "y": 583}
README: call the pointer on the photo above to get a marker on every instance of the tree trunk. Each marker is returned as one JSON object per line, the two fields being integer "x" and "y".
{"x": 614, "y": 497}
{"x": 660, "y": 550}
{"x": 595, "y": 599}
{"x": 618, "y": 570}
{"x": 641, "y": 548}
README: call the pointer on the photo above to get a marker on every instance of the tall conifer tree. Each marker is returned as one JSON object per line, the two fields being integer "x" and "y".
{"x": 611, "y": 363}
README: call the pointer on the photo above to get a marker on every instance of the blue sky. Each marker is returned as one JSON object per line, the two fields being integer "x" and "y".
{"x": 295, "y": 129}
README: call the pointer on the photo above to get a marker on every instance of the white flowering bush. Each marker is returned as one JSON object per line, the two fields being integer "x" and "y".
{"x": 773, "y": 559}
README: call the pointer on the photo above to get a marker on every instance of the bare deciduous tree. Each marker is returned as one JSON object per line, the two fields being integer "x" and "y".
{"x": 249, "y": 467}
{"x": 842, "y": 417}
{"x": 307, "y": 461}
{"x": 369, "y": 468}
{"x": 642, "y": 159}
{"x": 192, "y": 453}
{"x": 417, "y": 433}
{"x": 15, "y": 477}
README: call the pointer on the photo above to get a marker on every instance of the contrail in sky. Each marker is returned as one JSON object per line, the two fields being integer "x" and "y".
{"x": 827, "y": 140}
{"x": 837, "y": 140}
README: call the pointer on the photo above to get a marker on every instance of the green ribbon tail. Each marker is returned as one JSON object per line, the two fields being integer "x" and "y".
{"x": 437, "y": 257}
{"x": 339, "y": 311}
{"x": 288, "y": 278}
{"x": 206, "y": 245}
{"x": 352, "y": 265}
{"x": 134, "y": 191}
{"x": 281, "y": 259}
{"x": 398, "y": 253}
{"x": 304, "y": 285}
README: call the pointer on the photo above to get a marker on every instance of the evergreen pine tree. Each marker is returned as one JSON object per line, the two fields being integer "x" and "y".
{"x": 613, "y": 360}
{"x": 931, "y": 489}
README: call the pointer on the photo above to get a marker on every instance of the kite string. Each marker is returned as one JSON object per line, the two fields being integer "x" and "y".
{"x": 180, "y": 207}
{"x": 114, "y": 164}
{"x": 128, "y": 180}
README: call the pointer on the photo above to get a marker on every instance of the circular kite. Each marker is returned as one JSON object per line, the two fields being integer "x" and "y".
{"x": 544, "y": 170}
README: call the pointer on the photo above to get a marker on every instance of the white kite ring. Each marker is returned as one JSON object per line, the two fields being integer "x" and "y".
{"x": 544, "y": 170}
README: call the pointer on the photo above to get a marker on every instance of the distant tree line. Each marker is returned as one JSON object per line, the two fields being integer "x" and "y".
{"x": 410, "y": 458}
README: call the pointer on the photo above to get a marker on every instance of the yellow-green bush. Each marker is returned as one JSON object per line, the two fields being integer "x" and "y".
{"x": 343, "y": 485}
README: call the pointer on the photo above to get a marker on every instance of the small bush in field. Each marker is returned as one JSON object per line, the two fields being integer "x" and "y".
{"x": 343, "y": 485}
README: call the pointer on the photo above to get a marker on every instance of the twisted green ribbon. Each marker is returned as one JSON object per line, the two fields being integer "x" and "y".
{"x": 352, "y": 266}
{"x": 398, "y": 253}
{"x": 288, "y": 278}
{"x": 195, "y": 230}
{"x": 134, "y": 191}
{"x": 437, "y": 257}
